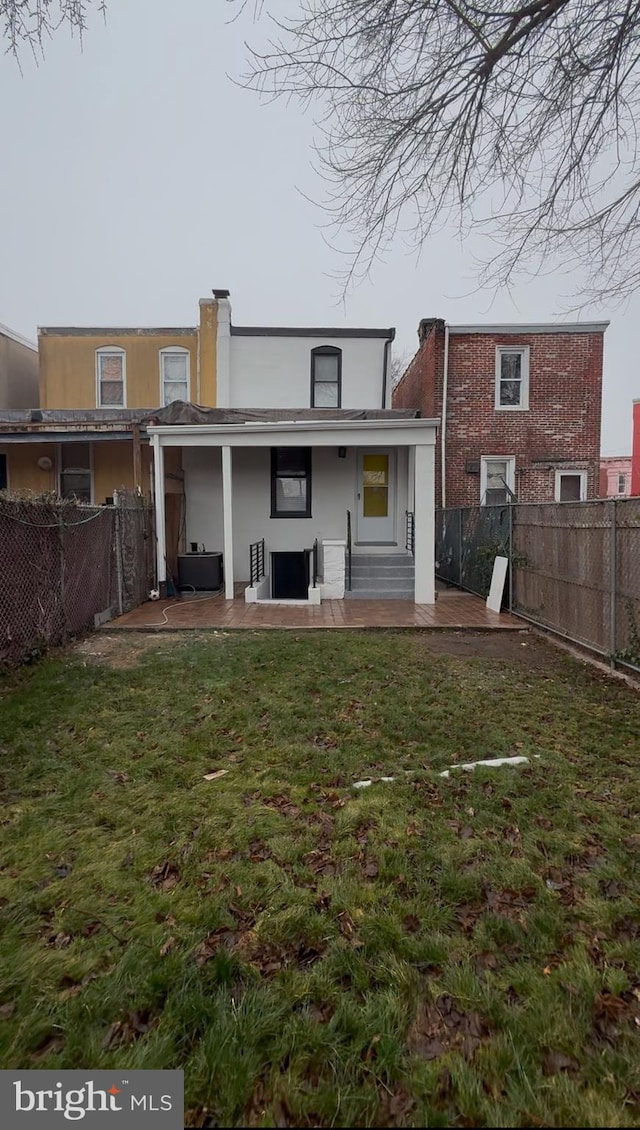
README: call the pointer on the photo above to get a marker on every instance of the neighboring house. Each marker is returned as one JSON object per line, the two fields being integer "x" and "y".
{"x": 520, "y": 409}
{"x": 302, "y": 443}
{"x": 96, "y": 387}
{"x": 18, "y": 381}
{"x": 615, "y": 476}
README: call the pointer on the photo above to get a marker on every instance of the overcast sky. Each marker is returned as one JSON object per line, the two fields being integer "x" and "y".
{"x": 136, "y": 177}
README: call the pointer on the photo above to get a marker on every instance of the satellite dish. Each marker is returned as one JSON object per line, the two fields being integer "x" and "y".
{"x": 45, "y": 463}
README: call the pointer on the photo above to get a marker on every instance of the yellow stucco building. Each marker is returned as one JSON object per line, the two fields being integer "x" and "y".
{"x": 96, "y": 385}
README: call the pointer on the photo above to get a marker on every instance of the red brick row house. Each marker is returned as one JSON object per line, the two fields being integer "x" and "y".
{"x": 520, "y": 409}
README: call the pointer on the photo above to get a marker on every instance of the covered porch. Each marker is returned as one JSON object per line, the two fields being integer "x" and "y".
{"x": 289, "y": 505}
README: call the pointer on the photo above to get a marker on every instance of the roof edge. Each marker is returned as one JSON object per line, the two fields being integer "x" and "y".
{"x": 310, "y": 331}
{"x": 13, "y": 336}
{"x": 120, "y": 331}
{"x": 532, "y": 328}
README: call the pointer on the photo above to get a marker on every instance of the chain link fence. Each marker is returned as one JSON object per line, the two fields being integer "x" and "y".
{"x": 573, "y": 567}
{"x": 468, "y": 539}
{"x": 65, "y": 566}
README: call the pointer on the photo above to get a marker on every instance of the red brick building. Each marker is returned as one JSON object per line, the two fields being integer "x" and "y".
{"x": 519, "y": 406}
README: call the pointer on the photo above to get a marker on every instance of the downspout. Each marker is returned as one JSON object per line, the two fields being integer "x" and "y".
{"x": 443, "y": 418}
{"x": 385, "y": 366}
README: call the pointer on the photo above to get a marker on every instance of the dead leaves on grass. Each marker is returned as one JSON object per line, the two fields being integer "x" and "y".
{"x": 442, "y": 1026}
{"x": 165, "y": 876}
{"x": 130, "y": 1028}
{"x": 613, "y": 1013}
{"x": 282, "y": 804}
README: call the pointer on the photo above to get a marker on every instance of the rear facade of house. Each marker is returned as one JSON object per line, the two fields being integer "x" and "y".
{"x": 303, "y": 477}
{"x": 519, "y": 405}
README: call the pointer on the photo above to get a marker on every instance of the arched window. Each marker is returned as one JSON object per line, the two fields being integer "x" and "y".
{"x": 111, "y": 377}
{"x": 326, "y": 377}
{"x": 174, "y": 374}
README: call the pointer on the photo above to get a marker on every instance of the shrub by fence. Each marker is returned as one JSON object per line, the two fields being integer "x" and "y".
{"x": 574, "y": 567}
{"x": 63, "y": 563}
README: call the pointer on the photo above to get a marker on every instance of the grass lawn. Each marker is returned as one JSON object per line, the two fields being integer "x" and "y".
{"x": 427, "y": 952}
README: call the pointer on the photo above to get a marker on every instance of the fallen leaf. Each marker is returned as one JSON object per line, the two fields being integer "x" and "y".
{"x": 134, "y": 1025}
{"x": 554, "y": 1062}
{"x": 168, "y": 945}
{"x": 165, "y": 875}
{"x": 7, "y": 1010}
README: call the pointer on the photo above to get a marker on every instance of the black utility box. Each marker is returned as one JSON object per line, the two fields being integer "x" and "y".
{"x": 200, "y": 571}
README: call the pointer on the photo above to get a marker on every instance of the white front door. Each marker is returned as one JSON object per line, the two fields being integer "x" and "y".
{"x": 376, "y": 497}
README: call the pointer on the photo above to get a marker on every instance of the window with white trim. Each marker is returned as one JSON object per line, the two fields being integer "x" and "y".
{"x": 497, "y": 479}
{"x": 75, "y": 471}
{"x": 622, "y": 483}
{"x": 326, "y": 377}
{"x": 174, "y": 375}
{"x": 571, "y": 486}
{"x": 110, "y": 377}
{"x": 512, "y": 378}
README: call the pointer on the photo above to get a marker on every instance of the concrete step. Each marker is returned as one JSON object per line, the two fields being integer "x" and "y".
{"x": 380, "y": 594}
{"x": 382, "y": 570}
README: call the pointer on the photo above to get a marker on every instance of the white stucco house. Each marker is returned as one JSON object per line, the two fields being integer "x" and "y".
{"x": 303, "y": 477}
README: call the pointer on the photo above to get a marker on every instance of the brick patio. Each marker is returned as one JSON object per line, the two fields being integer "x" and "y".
{"x": 452, "y": 610}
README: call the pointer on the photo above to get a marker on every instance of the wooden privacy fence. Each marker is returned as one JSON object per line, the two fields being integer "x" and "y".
{"x": 574, "y": 567}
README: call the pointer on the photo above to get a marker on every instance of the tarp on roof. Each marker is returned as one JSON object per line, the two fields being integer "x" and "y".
{"x": 181, "y": 412}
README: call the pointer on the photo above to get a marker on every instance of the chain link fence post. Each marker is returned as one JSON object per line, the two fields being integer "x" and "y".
{"x": 117, "y": 537}
{"x": 459, "y": 545}
{"x": 510, "y": 555}
{"x": 613, "y": 569}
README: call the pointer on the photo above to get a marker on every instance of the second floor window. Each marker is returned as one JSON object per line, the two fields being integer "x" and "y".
{"x": 110, "y": 364}
{"x": 174, "y": 375}
{"x": 326, "y": 377}
{"x": 622, "y": 483}
{"x": 512, "y": 377}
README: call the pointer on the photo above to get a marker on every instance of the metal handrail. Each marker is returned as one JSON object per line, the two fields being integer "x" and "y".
{"x": 348, "y": 551}
{"x": 315, "y": 563}
{"x": 410, "y": 537}
{"x": 256, "y": 561}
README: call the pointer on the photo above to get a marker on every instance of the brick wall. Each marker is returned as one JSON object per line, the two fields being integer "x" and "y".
{"x": 421, "y": 383}
{"x": 559, "y": 431}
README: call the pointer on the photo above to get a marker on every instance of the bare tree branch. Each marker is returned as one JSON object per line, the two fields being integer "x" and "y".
{"x": 518, "y": 118}
{"x": 27, "y": 23}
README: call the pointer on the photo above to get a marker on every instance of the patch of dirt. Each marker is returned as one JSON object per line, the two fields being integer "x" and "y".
{"x": 522, "y": 647}
{"x": 441, "y": 1026}
{"x": 395, "y": 1107}
{"x": 126, "y": 650}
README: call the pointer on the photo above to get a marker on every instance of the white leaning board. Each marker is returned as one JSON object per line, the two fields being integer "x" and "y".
{"x": 494, "y": 599}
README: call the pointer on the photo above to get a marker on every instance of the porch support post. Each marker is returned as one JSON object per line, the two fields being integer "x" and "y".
{"x": 227, "y": 515}
{"x": 424, "y": 510}
{"x": 158, "y": 494}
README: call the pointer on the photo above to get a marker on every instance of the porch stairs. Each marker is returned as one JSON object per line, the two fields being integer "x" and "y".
{"x": 388, "y": 576}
